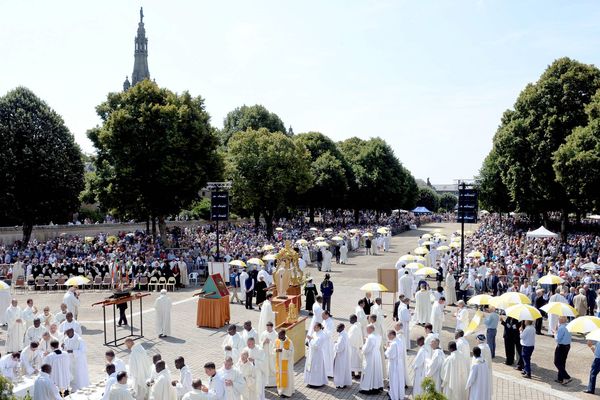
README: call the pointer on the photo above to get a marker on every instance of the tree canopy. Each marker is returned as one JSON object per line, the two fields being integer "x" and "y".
{"x": 156, "y": 150}
{"x": 250, "y": 117}
{"x": 41, "y": 167}
{"x": 428, "y": 198}
{"x": 448, "y": 201}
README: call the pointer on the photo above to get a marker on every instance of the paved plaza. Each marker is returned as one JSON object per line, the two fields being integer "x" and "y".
{"x": 199, "y": 345}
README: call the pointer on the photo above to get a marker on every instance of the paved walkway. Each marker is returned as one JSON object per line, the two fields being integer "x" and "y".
{"x": 199, "y": 345}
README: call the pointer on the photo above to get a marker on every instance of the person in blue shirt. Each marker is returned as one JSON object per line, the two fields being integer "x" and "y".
{"x": 327, "y": 292}
{"x": 563, "y": 345}
{"x": 491, "y": 324}
{"x": 591, "y": 388}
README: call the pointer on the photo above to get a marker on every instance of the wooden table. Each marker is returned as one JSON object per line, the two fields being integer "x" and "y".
{"x": 213, "y": 313}
{"x": 281, "y": 306}
{"x": 297, "y": 334}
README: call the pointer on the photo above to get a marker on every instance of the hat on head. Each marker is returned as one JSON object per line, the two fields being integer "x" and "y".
{"x": 481, "y": 337}
{"x": 163, "y": 291}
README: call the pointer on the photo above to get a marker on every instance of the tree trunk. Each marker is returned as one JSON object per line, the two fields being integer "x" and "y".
{"x": 162, "y": 228}
{"x": 147, "y": 225}
{"x": 256, "y": 220}
{"x": 564, "y": 224}
{"x": 356, "y": 215}
{"x": 27, "y": 229}
{"x": 269, "y": 223}
{"x": 311, "y": 215}
{"x": 154, "y": 227}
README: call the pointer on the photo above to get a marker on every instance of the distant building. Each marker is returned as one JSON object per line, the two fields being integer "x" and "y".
{"x": 451, "y": 188}
{"x": 140, "y": 64}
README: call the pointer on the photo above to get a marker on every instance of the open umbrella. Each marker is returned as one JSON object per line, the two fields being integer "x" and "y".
{"x": 523, "y": 312}
{"x": 515, "y": 298}
{"x": 550, "y": 280}
{"x": 373, "y": 287}
{"x": 590, "y": 266}
{"x": 420, "y": 259}
{"x": 475, "y": 254}
{"x": 268, "y": 247}
{"x": 426, "y": 236}
{"x": 77, "y": 281}
{"x": 455, "y": 245}
{"x": 4, "y": 285}
{"x": 237, "y": 263}
{"x": 584, "y": 324}
{"x": 480, "y": 300}
{"x": 421, "y": 250}
{"x": 354, "y": 230}
{"x": 427, "y": 271}
{"x": 279, "y": 229}
{"x": 269, "y": 257}
{"x": 443, "y": 248}
{"x": 322, "y": 244}
{"x": 337, "y": 238}
{"x": 593, "y": 335}
{"x": 382, "y": 230}
{"x": 313, "y": 229}
{"x": 367, "y": 234}
{"x": 427, "y": 243}
{"x": 560, "y": 309}
{"x": 255, "y": 261}
{"x": 302, "y": 242}
{"x": 408, "y": 257}
{"x": 328, "y": 230}
{"x": 415, "y": 265}
{"x": 319, "y": 238}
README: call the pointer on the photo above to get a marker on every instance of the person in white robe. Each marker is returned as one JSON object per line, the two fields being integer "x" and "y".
{"x": 464, "y": 349}
{"x": 377, "y": 310}
{"x": 241, "y": 281}
{"x": 74, "y": 345}
{"x": 454, "y": 375}
{"x": 266, "y": 313}
{"x": 235, "y": 385}
{"x": 361, "y": 317}
{"x": 110, "y": 380}
{"x": 405, "y": 284}
{"x": 5, "y": 300}
{"x": 405, "y": 317}
{"x": 43, "y": 387}
{"x": 329, "y": 332}
{"x": 248, "y": 332}
{"x": 355, "y": 340}
{"x": 379, "y": 331}
{"x": 315, "y": 373}
{"x": 140, "y": 368}
{"x": 450, "y": 289}
{"x": 268, "y": 278}
{"x": 326, "y": 266}
{"x": 70, "y": 323}
{"x": 396, "y": 367}
{"x": 342, "y": 373}
{"x": 478, "y": 384}
{"x": 435, "y": 364}
{"x": 44, "y": 345}
{"x": 233, "y": 343}
{"x": 248, "y": 372}
{"x": 437, "y": 315}
{"x": 110, "y": 358}
{"x": 344, "y": 253}
{"x": 216, "y": 384}
{"x": 34, "y": 333}
{"x": 462, "y": 316}
{"x": 486, "y": 354}
{"x": 371, "y": 380}
{"x": 162, "y": 389}
{"x": 267, "y": 341}
{"x": 60, "y": 316}
{"x": 71, "y": 300}
{"x": 183, "y": 270}
{"x": 184, "y": 383}
{"x": 197, "y": 393}
{"x": 162, "y": 306}
{"x": 429, "y": 336}
{"x": 399, "y": 335}
{"x": 9, "y": 364}
{"x": 317, "y": 310}
{"x": 31, "y": 359}
{"x": 29, "y": 313}
{"x": 284, "y": 364}
{"x": 60, "y": 364}
{"x": 120, "y": 390}
{"x": 553, "y": 318}
{"x": 419, "y": 367}
{"x": 423, "y": 306}
{"x": 258, "y": 357}
{"x": 16, "y": 328}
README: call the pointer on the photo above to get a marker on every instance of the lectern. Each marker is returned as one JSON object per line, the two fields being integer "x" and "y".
{"x": 120, "y": 298}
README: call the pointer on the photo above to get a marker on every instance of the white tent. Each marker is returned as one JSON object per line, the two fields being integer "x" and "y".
{"x": 541, "y": 232}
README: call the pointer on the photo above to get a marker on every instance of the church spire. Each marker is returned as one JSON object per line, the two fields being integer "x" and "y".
{"x": 140, "y": 65}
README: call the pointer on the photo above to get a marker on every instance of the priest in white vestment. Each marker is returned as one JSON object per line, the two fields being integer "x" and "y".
{"x": 267, "y": 341}
{"x": 486, "y": 354}
{"x": 396, "y": 367}
{"x": 405, "y": 317}
{"x": 184, "y": 384}
{"x": 454, "y": 375}
{"x": 235, "y": 385}
{"x": 462, "y": 316}
{"x": 344, "y": 253}
{"x": 423, "y": 306}
{"x": 371, "y": 380}
{"x": 162, "y": 389}
{"x": 75, "y": 346}
{"x": 361, "y": 317}
{"x": 31, "y": 359}
{"x": 258, "y": 357}
{"x": 5, "y": 300}
{"x": 120, "y": 390}
{"x": 233, "y": 344}
{"x": 284, "y": 364}
{"x": 377, "y": 310}
{"x": 110, "y": 380}
{"x": 216, "y": 385}
{"x": 248, "y": 371}
{"x": 71, "y": 300}
{"x": 434, "y": 365}
{"x": 197, "y": 393}
{"x": 437, "y": 315}
{"x": 34, "y": 333}
{"x": 419, "y": 367}
{"x": 162, "y": 306}
{"x": 9, "y": 364}
{"x": 70, "y": 323}
{"x": 60, "y": 316}
{"x": 356, "y": 341}
{"x": 479, "y": 385}
{"x": 16, "y": 328}
{"x": 29, "y": 313}
{"x": 326, "y": 266}
{"x": 405, "y": 284}
{"x": 266, "y": 314}
{"x": 328, "y": 331}
{"x": 315, "y": 373}
{"x": 342, "y": 373}
{"x": 317, "y": 310}
{"x": 140, "y": 368}
{"x": 110, "y": 358}
{"x": 60, "y": 363}
{"x": 464, "y": 349}
{"x": 44, "y": 388}
{"x": 248, "y": 332}
{"x": 450, "y": 289}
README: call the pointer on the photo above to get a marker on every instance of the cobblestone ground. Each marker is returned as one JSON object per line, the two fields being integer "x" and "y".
{"x": 199, "y": 345}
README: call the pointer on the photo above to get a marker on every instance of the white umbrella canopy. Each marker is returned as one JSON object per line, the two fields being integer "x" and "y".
{"x": 591, "y": 266}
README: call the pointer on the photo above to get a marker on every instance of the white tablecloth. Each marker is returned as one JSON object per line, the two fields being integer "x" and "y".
{"x": 22, "y": 388}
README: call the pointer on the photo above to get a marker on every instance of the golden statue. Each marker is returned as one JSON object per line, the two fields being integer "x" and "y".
{"x": 292, "y": 314}
{"x": 288, "y": 272}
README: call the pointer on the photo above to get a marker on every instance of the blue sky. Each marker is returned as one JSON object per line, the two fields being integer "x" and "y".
{"x": 430, "y": 77}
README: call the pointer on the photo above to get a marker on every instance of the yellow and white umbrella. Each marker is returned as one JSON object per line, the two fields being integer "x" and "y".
{"x": 455, "y": 245}
{"x": 420, "y": 259}
{"x": 523, "y": 312}
{"x": 500, "y": 303}
{"x": 89, "y": 239}
{"x": 270, "y": 257}
{"x": 373, "y": 287}
{"x": 302, "y": 242}
{"x": 268, "y": 247}
{"x": 480, "y": 300}
{"x": 319, "y": 238}
{"x": 427, "y": 271}
{"x": 4, "y": 285}
{"x": 255, "y": 261}
{"x": 367, "y": 234}
{"x": 426, "y": 236}
{"x": 456, "y": 239}
{"x": 414, "y": 265}
{"x": 514, "y": 298}
{"x": 475, "y": 322}
{"x": 584, "y": 324}
{"x": 550, "y": 280}
{"x": 475, "y": 254}
{"x": 408, "y": 257}
{"x": 443, "y": 248}
{"x": 560, "y": 309}
{"x": 237, "y": 263}
{"x": 77, "y": 281}
{"x": 593, "y": 335}
{"x": 427, "y": 243}
{"x": 322, "y": 244}
{"x": 353, "y": 230}
{"x": 337, "y": 238}
{"x": 421, "y": 250}
{"x": 383, "y": 230}
{"x": 313, "y": 229}
{"x": 328, "y": 230}
{"x": 279, "y": 229}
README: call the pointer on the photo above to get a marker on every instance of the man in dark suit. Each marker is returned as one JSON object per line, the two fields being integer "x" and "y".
{"x": 397, "y": 306}
{"x": 368, "y": 303}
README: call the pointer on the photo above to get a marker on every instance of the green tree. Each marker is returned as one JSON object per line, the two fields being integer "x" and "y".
{"x": 41, "y": 167}
{"x": 448, "y": 201}
{"x": 429, "y": 391}
{"x": 250, "y": 117}
{"x": 330, "y": 171}
{"x": 492, "y": 192}
{"x": 577, "y": 161}
{"x": 544, "y": 115}
{"x": 266, "y": 168}
{"x": 428, "y": 198}
{"x": 156, "y": 150}
{"x": 380, "y": 181}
